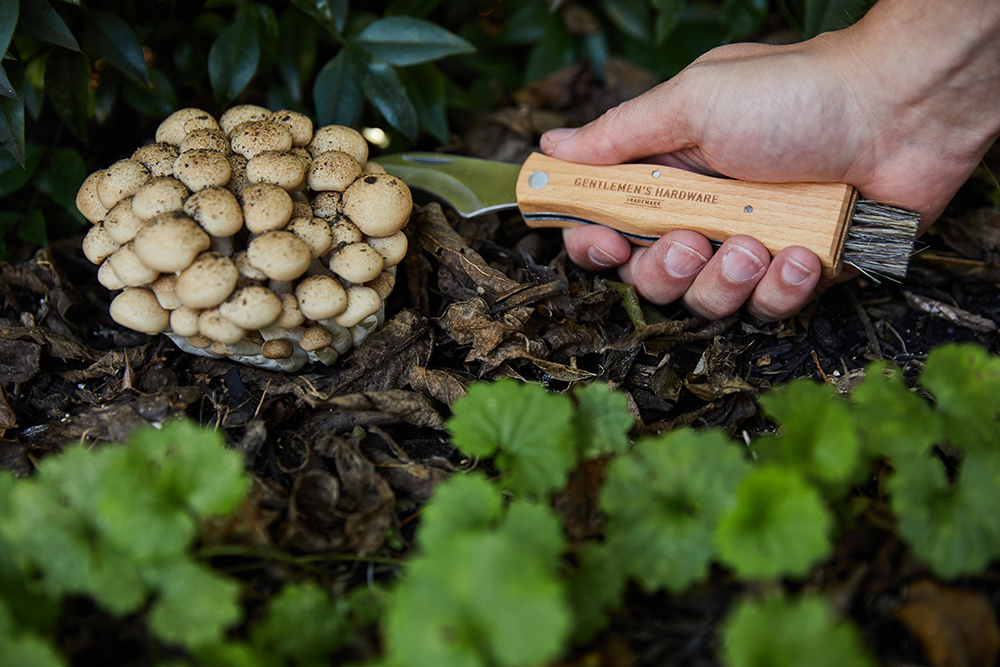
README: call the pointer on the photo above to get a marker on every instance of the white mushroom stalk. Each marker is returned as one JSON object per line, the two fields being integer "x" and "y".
{"x": 250, "y": 237}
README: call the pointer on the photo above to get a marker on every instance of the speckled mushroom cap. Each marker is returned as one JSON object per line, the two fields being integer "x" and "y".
{"x": 379, "y": 204}
{"x": 182, "y": 229}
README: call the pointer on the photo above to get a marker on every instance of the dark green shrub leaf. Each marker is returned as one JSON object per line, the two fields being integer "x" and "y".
{"x": 667, "y": 18}
{"x": 528, "y": 430}
{"x": 426, "y": 87}
{"x": 299, "y": 37}
{"x": 114, "y": 41}
{"x": 157, "y": 100}
{"x": 779, "y": 526}
{"x": 816, "y": 432}
{"x": 825, "y": 15}
{"x": 484, "y": 597}
{"x": 528, "y": 23}
{"x": 965, "y": 381}
{"x": 331, "y": 14}
{"x": 419, "y": 8}
{"x": 631, "y": 16}
{"x": 62, "y": 178}
{"x": 233, "y": 58}
{"x": 12, "y": 114}
{"x": 67, "y": 76}
{"x": 32, "y": 228}
{"x": 602, "y": 420}
{"x": 337, "y": 93}
{"x": 382, "y": 86}
{"x": 779, "y": 631}
{"x": 8, "y": 19}
{"x": 663, "y": 501}
{"x": 555, "y": 51}
{"x": 39, "y": 20}
{"x": 744, "y": 16}
{"x": 13, "y": 176}
{"x": 405, "y": 40}
{"x": 268, "y": 35}
{"x": 955, "y": 527}
{"x": 24, "y": 648}
{"x": 892, "y": 420}
{"x": 106, "y": 95}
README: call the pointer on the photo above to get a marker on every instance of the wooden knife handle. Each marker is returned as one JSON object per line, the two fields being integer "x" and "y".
{"x": 644, "y": 201}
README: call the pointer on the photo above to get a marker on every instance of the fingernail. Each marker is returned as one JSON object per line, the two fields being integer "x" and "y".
{"x": 602, "y": 257}
{"x": 683, "y": 261}
{"x": 740, "y": 264}
{"x": 560, "y": 134}
{"x": 794, "y": 273}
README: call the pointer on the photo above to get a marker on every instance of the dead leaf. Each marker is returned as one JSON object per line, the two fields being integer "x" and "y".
{"x": 956, "y": 628}
{"x": 440, "y": 385}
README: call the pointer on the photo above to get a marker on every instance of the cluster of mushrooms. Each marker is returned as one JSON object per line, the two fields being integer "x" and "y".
{"x": 250, "y": 237}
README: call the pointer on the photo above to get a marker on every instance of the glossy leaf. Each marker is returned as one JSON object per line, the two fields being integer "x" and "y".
{"x": 667, "y": 17}
{"x": 67, "y": 76}
{"x": 780, "y": 631}
{"x": 405, "y": 40}
{"x": 426, "y": 86}
{"x": 12, "y": 114}
{"x": 39, "y": 20}
{"x": 299, "y": 37}
{"x": 384, "y": 89}
{"x": 268, "y": 35}
{"x": 8, "y": 19}
{"x": 337, "y": 93}
{"x": 554, "y": 52}
{"x": 825, "y": 15}
{"x": 631, "y": 17}
{"x": 114, "y": 41}
{"x": 14, "y": 175}
{"x": 157, "y": 101}
{"x": 331, "y": 14}
{"x": 744, "y": 16}
{"x": 32, "y": 228}
{"x": 233, "y": 58}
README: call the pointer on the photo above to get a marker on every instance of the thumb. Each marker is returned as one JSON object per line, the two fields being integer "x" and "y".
{"x": 650, "y": 124}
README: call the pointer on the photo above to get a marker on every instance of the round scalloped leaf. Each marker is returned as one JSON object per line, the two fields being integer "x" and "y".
{"x": 783, "y": 632}
{"x": 603, "y": 420}
{"x": 965, "y": 380}
{"x": 663, "y": 500}
{"x": 779, "y": 527}
{"x": 893, "y": 421}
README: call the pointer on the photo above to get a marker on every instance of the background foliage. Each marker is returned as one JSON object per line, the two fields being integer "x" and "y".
{"x": 82, "y": 84}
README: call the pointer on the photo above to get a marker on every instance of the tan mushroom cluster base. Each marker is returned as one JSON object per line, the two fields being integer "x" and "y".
{"x": 250, "y": 236}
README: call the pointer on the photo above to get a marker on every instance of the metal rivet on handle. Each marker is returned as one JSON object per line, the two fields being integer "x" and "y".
{"x": 748, "y": 209}
{"x": 656, "y": 174}
{"x": 538, "y": 180}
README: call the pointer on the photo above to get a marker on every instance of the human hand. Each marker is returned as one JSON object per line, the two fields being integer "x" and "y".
{"x": 850, "y": 107}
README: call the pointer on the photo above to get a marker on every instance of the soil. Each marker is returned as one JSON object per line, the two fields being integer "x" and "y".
{"x": 479, "y": 300}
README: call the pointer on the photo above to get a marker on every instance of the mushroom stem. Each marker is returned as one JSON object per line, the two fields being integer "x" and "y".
{"x": 223, "y": 244}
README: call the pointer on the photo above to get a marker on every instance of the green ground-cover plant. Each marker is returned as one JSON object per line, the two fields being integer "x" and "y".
{"x": 493, "y": 578}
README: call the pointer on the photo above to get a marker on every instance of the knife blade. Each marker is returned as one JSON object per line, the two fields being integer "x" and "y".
{"x": 641, "y": 201}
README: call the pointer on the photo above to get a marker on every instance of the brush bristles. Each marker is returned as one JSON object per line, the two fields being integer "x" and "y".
{"x": 880, "y": 240}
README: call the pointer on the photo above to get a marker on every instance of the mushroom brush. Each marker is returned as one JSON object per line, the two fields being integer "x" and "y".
{"x": 249, "y": 236}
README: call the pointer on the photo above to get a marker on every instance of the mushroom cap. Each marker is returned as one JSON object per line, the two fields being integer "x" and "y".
{"x": 290, "y": 316}
{"x": 356, "y": 262}
{"x": 333, "y": 170}
{"x": 216, "y": 210}
{"x": 87, "y": 201}
{"x": 165, "y": 289}
{"x": 107, "y": 277}
{"x": 282, "y": 169}
{"x": 383, "y": 284}
{"x": 379, "y": 204}
{"x": 298, "y": 125}
{"x": 314, "y": 338}
{"x": 320, "y": 297}
{"x": 257, "y": 136}
{"x": 251, "y": 307}
{"x": 206, "y": 139}
{"x": 277, "y": 348}
{"x": 199, "y": 341}
{"x": 121, "y": 223}
{"x": 361, "y": 302}
{"x": 242, "y": 113}
{"x": 392, "y": 248}
{"x": 202, "y": 168}
{"x": 280, "y": 255}
{"x": 328, "y": 205}
{"x": 374, "y": 168}
{"x": 211, "y": 323}
{"x": 182, "y": 122}
{"x": 159, "y": 195}
{"x": 315, "y": 232}
{"x": 137, "y": 308}
{"x": 242, "y": 263}
{"x": 170, "y": 242}
{"x": 238, "y": 167}
{"x": 158, "y": 158}
{"x": 184, "y": 321}
{"x": 129, "y": 268}
{"x": 120, "y": 181}
{"x": 339, "y": 138}
{"x": 344, "y": 232}
{"x": 208, "y": 281}
{"x": 266, "y": 207}
{"x": 98, "y": 244}
{"x": 301, "y": 209}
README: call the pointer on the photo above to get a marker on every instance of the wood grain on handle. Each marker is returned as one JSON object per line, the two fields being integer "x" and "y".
{"x": 645, "y": 201}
